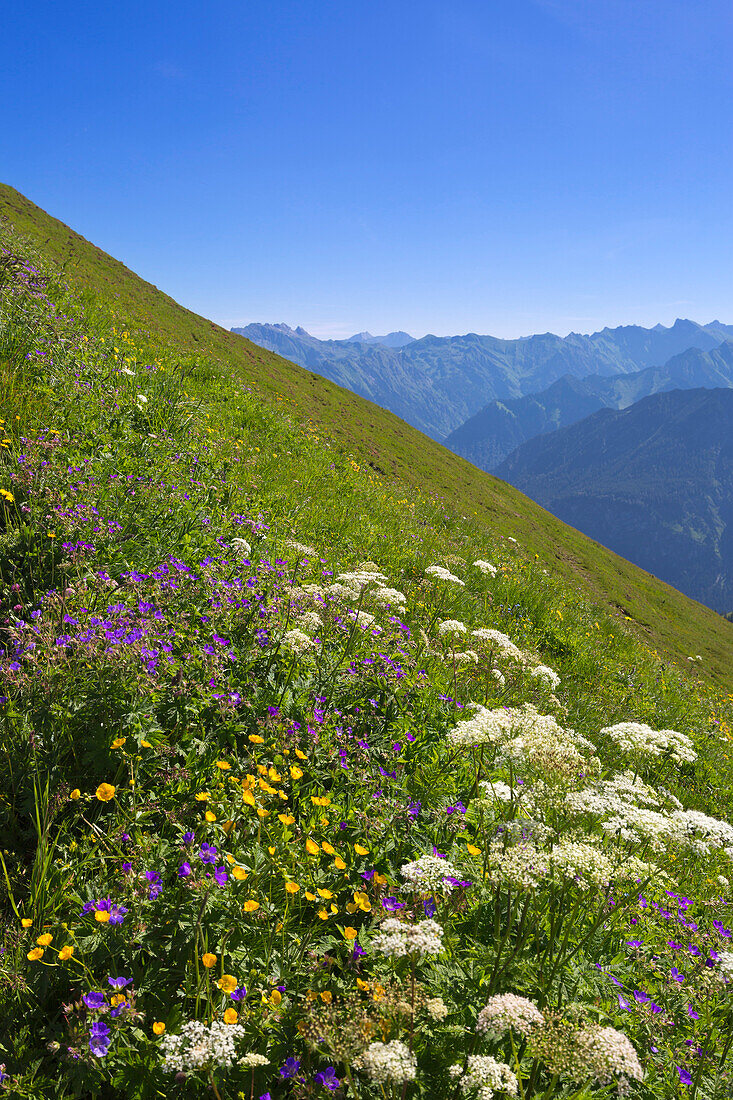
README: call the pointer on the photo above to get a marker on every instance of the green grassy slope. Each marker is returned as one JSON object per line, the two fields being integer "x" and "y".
{"x": 249, "y": 686}
{"x": 664, "y": 619}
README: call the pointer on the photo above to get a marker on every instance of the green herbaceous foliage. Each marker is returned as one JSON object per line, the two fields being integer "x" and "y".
{"x": 311, "y": 784}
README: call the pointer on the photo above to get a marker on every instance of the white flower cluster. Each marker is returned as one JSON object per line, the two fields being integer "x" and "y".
{"x": 297, "y": 641}
{"x": 361, "y": 618}
{"x": 310, "y": 620}
{"x": 583, "y": 864}
{"x": 452, "y": 626}
{"x": 252, "y": 1061}
{"x": 507, "y": 1011}
{"x": 637, "y": 738}
{"x": 436, "y": 1008}
{"x": 429, "y": 873}
{"x": 389, "y": 595}
{"x": 607, "y": 1056}
{"x": 486, "y": 1075}
{"x": 496, "y": 789}
{"x": 726, "y": 963}
{"x": 200, "y": 1046}
{"x": 546, "y": 675}
{"x": 466, "y": 657}
{"x": 701, "y": 831}
{"x": 384, "y": 1062}
{"x": 498, "y": 676}
{"x": 397, "y": 938}
{"x": 485, "y": 726}
{"x": 501, "y": 643}
{"x": 613, "y": 795}
{"x": 443, "y": 574}
{"x": 522, "y": 867}
{"x": 243, "y": 547}
{"x": 486, "y": 568}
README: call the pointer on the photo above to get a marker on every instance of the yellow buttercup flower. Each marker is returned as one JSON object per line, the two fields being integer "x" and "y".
{"x": 296, "y": 773}
{"x": 76, "y": 793}
{"x": 292, "y": 887}
{"x": 473, "y": 850}
{"x": 201, "y": 796}
{"x": 326, "y": 996}
{"x": 101, "y": 916}
{"x": 147, "y": 745}
{"x": 118, "y": 742}
{"x": 249, "y": 798}
{"x": 339, "y": 864}
{"x": 26, "y": 922}
{"x": 231, "y": 1016}
{"x": 256, "y": 739}
{"x": 328, "y": 848}
{"x": 287, "y": 819}
{"x": 227, "y": 826}
{"x": 210, "y": 816}
{"x": 262, "y": 813}
{"x": 310, "y": 897}
{"x": 227, "y": 983}
{"x": 66, "y": 953}
{"x": 35, "y": 954}
{"x": 323, "y": 914}
{"x": 223, "y": 765}
{"x": 350, "y": 933}
{"x": 251, "y": 905}
{"x": 105, "y": 792}
{"x": 44, "y": 940}
{"x": 239, "y": 873}
{"x": 325, "y": 893}
{"x": 158, "y": 1027}
{"x": 300, "y": 755}
{"x": 361, "y": 849}
{"x": 276, "y": 997}
{"x": 209, "y": 960}
{"x": 311, "y": 847}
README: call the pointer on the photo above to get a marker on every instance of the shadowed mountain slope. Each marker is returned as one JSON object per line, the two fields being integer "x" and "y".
{"x": 492, "y": 434}
{"x": 653, "y": 481}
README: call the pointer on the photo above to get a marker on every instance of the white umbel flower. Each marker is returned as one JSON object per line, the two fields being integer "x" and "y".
{"x": 200, "y": 1046}
{"x": 297, "y": 641}
{"x": 486, "y": 568}
{"x": 486, "y": 1075}
{"x": 398, "y": 938}
{"x": 636, "y": 738}
{"x": 429, "y": 873}
{"x": 388, "y": 1062}
{"x": 507, "y": 1011}
{"x": 546, "y": 675}
{"x": 452, "y": 626}
{"x": 443, "y": 574}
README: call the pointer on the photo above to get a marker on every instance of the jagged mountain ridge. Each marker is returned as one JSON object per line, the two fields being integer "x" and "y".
{"x": 436, "y": 383}
{"x": 487, "y": 438}
{"x": 654, "y": 482}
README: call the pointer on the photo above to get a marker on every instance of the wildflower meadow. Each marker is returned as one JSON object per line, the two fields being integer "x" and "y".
{"x": 312, "y": 786}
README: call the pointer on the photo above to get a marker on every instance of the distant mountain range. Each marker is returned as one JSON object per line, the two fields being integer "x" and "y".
{"x": 494, "y": 432}
{"x": 391, "y": 340}
{"x": 437, "y": 383}
{"x": 654, "y": 482}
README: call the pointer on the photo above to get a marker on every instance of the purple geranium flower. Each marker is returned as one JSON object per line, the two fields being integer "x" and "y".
{"x": 290, "y": 1067}
{"x": 239, "y": 994}
{"x": 430, "y": 908}
{"x": 685, "y": 1078}
{"x": 221, "y": 876}
{"x": 327, "y": 1078}
{"x": 119, "y": 983}
{"x": 392, "y": 904}
{"x": 188, "y": 838}
{"x": 156, "y": 884}
{"x": 184, "y": 870}
{"x": 93, "y": 1000}
{"x": 99, "y": 1039}
{"x": 207, "y": 853}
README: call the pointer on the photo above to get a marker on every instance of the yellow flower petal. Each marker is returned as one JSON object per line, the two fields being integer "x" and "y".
{"x": 105, "y": 792}
{"x": 158, "y": 1027}
{"x": 208, "y": 960}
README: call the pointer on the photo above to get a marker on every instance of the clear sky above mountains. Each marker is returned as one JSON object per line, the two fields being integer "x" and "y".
{"x": 453, "y": 166}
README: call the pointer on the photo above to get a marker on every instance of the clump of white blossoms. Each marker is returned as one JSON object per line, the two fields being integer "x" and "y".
{"x": 502, "y": 645}
{"x": 309, "y": 620}
{"x": 725, "y": 958}
{"x": 486, "y": 567}
{"x": 636, "y": 738}
{"x": 201, "y": 1046}
{"x": 361, "y": 618}
{"x": 436, "y": 1008}
{"x": 301, "y": 548}
{"x": 702, "y": 832}
{"x": 496, "y": 789}
{"x": 297, "y": 641}
{"x": 583, "y": 864}
{"x": 607, "y": 1056}
{"x": 486, "y": 1075}
{"x": 466, "y": 657}
{"x": 452, "y": 626}
{"x": 388, "y": 1062}
{"x": 389, "y": 596}
{"x": 252, "y": 1061}
{"x": 498, "y": 676}
{"x": 243, "y": 547}
{"x": 546, "y": 675}
{"x": 429, "y": 873}
{"x": 398, "y": 938}
{"x": 522, "y": 867}
{"x": 507, "y": 1011}
{"x": 443, "y": 574}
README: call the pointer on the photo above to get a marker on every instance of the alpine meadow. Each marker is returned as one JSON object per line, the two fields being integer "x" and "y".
{"x": 330, "y": 764}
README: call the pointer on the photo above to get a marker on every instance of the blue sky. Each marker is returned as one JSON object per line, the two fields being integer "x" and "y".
{"x": 444, "y": 166}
